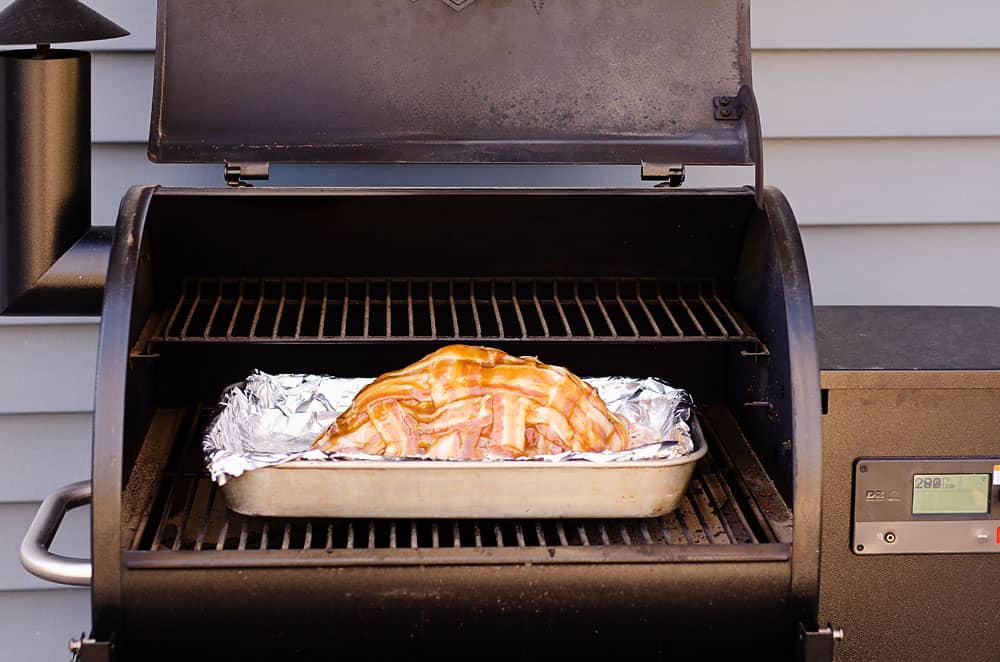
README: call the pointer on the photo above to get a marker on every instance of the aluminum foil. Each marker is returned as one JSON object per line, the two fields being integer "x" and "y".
{"x": 273, "y": 419}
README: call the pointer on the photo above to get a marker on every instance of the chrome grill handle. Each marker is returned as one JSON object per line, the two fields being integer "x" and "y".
{"x": 35, "y": 555}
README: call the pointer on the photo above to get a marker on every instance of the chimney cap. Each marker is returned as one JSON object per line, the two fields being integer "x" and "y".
{"x": 53, "y": 22}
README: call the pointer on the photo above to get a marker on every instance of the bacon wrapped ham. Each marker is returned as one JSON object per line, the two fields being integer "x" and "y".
{"x": 475, "y": 402}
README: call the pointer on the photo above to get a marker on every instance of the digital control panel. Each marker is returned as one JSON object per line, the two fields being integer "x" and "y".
{"x": 926, "y": 506}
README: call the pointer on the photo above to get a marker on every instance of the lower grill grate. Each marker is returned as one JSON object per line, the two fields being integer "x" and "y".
{"x": 189, "y": 515}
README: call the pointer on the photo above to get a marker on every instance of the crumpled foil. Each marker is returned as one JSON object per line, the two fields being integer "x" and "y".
{"x": 273, "y": 419}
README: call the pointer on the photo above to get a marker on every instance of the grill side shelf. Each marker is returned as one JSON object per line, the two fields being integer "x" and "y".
{"x": 283, "y": 310}
{"x": 187, "y": 523}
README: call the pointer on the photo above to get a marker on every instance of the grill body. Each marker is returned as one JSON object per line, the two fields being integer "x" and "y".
{"x": 701, "y": 288}
{"x": 918, "y": 382}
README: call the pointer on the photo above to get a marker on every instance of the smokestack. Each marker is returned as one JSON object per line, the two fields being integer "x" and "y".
{"x": 51, "y": 261}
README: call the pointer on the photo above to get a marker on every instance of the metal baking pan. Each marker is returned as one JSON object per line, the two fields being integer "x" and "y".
{"x": 466, "y": 489}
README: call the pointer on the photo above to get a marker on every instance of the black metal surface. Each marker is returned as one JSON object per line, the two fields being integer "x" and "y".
{"x": 814, "y": 645}
{"x": 540, "y": 235}
{"x": 751, "y": 113}
{"x": 124, "y": 309}
{"x": 50, "y": 260}
{"x": 908, "y": 338}
{"x": 561, "y": 81}
{"x": 86, "y": 649}
{"x": 330, "y": 232}
{"x": 688, "y": 592}
{"x": 774, "y": 292}
{"x": 74, "y": 285}
{"x": 695, "y": 609}
{"x": 908, "y": 606}
{"x": 665, "y": 585}
{"x": 54, "y": 22}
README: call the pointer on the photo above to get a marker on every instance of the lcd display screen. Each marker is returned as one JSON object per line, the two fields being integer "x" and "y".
{"x": 951, "y": 494}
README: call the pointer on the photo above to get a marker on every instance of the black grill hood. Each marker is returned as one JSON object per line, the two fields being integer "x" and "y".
{"x": 453, "y": 81}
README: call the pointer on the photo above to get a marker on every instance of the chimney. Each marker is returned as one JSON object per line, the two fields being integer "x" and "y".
{"x": 52, "y": 262}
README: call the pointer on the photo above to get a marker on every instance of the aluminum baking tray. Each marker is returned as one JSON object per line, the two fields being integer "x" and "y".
{"x": 258, "y": 449}
{"x": 472, "y": 489}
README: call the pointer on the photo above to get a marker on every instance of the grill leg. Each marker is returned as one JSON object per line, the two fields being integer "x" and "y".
{"x": 91, "y": 650}
{"x": 817, "y": 645}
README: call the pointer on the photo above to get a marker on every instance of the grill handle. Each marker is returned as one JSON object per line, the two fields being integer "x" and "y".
{"x": 35, "y": 554}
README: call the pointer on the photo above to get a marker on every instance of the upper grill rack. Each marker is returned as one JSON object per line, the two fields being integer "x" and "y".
{"x": 428, "y": 309}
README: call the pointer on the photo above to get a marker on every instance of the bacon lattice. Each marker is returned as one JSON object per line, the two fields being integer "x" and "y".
{"x": 473, "y": 402}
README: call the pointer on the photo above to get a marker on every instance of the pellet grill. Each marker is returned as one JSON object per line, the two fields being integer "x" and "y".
{"x": 705, "y": 288}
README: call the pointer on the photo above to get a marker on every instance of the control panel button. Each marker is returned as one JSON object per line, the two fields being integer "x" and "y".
{"x": 998, "y": 535}
{"x": 983, "y": 536}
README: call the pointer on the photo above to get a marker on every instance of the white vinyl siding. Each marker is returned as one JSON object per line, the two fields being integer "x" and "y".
{"x": 47, "y": 368}
{"x": 49, "y": 450}
{"x": 73, "y": 539}
{"x": 939, "y": 264}
{"x": 873, "y": 24}
{"x": 880, "y": 127}
{"x": 35, "y": 626}
{"x": 883, "y": 94}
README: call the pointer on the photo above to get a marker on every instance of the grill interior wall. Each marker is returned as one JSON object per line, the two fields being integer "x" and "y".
{"x": 380, "y": 235}
{"x": 583, "y": 236}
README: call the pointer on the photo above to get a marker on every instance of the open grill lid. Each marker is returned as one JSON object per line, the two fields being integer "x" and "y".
{"x": 457, "y": 81}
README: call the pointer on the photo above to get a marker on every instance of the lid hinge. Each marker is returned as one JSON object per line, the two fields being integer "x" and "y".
{"x": 743, "y": 108}
{"x": 238, "y": 173}
{"x": 669, "y": 174}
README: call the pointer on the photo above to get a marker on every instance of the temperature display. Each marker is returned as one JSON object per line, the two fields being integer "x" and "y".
{"x": 951, "y": 494}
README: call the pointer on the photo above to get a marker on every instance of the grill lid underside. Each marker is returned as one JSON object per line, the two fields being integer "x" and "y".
{"x": 461, "y": 81}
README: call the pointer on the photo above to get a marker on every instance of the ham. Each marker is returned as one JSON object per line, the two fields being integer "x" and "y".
{"x": 464, "y": 402}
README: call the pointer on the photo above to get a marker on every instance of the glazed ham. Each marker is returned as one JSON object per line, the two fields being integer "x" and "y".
{"x": 475, "y": 402}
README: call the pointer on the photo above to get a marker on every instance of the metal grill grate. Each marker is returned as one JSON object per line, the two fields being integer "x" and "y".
{"x": 282, "y": 310}
{"x": 189, "y": 515}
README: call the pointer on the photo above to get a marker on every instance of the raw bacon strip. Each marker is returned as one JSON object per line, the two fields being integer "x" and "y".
{"x": 473, "y": 402}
